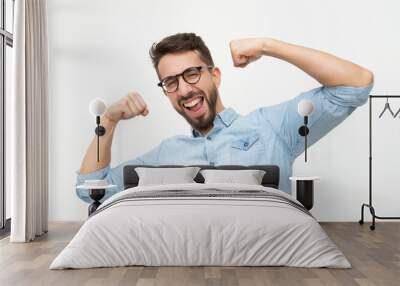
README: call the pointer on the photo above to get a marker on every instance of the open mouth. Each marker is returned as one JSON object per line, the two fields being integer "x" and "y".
{"x": 194, "y": 106}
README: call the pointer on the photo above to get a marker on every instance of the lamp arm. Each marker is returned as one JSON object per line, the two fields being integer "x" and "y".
{"x": 100, "y": 131}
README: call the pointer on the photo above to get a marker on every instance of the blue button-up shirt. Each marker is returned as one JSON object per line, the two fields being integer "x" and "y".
{"x": 267, "y": 135}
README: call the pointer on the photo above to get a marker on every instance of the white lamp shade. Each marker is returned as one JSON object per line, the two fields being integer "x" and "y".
{"x": 305, "y": 107}
{"x": 97, "y": 107}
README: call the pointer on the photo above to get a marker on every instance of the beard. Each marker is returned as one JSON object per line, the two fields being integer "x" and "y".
{"x": 206, "y": 121}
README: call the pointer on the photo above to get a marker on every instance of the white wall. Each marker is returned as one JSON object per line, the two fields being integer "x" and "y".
{"x": 100, "y": 48}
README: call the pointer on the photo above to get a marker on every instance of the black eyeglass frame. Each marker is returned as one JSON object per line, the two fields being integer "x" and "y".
{"x": 199, "y": 68}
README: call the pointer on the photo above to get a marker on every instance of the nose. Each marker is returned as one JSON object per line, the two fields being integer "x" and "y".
{"x": 183, "y": 87}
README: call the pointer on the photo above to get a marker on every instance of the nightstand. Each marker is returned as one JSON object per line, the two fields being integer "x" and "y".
{"x": 96, "y": 193}
{"x": 305, "y": 190}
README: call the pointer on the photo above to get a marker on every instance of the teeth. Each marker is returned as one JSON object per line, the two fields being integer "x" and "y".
{"x": 192, "y": 103}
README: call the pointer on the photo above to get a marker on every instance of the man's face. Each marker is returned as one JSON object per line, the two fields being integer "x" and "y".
{"x": 195, "y": 102}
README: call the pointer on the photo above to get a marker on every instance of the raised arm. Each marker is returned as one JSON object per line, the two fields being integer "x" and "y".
{"x": 327, "y": 69}
{"x": 126, "y": 108}
{"x": 345, "y": 86}
{"x": 89, "y": 162}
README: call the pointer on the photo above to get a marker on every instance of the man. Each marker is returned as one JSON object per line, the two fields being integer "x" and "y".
{"x": 220, "y": 136}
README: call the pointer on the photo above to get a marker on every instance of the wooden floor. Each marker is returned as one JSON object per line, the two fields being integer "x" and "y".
{"x": 374, "y": 255}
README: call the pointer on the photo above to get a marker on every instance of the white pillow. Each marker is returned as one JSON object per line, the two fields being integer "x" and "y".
{"x": 249, "y": 177}
{"x": 162, "y": 176}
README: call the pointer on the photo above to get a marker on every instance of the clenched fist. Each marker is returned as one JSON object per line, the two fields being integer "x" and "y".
{"x": 245, "y": 51}
{"x": 127, "y": 107}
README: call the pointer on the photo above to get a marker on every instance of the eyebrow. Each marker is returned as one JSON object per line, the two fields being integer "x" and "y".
{"x": 194, "y": 65}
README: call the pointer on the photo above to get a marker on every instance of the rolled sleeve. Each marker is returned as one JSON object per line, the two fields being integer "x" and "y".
{"x": 114, "y": 175}
{"x": 101, "y": 174}
{"x": 348, "y": 95}
{"x": 331, "y": 106}
{"x": 96, "y": 175}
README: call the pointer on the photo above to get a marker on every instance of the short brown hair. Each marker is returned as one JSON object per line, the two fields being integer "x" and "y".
{"x": 180, "y": 42}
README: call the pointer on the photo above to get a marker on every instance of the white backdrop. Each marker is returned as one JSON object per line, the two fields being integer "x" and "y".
{"x": 99, "y": 48}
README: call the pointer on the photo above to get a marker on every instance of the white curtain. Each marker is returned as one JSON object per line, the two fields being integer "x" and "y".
{"x": 28, "y": 158}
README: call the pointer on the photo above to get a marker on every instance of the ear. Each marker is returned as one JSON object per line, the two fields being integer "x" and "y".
{"x": 216, "y": 76}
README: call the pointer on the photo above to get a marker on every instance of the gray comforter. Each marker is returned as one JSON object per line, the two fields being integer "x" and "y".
{"x": 201, "y": 224}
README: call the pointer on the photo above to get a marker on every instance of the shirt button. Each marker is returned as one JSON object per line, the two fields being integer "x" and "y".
{"x": 208, "y": 138}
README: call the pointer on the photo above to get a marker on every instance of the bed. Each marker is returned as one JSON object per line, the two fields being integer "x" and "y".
{"x": 201, "y": 224}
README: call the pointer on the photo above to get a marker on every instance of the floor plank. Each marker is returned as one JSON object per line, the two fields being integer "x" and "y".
{"x": 374, "y": 255}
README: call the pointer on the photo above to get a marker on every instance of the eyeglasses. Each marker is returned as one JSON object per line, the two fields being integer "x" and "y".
{"x": 190, "y": 75}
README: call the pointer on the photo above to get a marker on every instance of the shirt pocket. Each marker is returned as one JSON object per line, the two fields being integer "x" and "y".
{"x": 247, "y": 150}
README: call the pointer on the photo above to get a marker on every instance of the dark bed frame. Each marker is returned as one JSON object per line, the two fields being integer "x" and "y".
{"x": 304, "y": 188}
{"x": 270, "y": 179}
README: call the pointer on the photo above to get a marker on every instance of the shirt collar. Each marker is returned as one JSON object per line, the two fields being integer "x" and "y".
{"x": 226, "y": 117}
